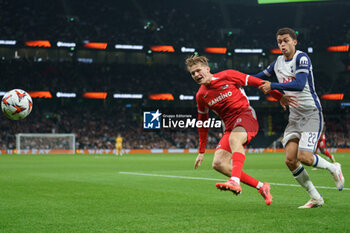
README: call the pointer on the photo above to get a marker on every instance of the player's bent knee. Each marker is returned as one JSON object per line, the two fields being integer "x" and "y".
{"x": 220, "y": 158}
{"x": 291, "y": 162}
{"x": 217, "y": 164}
{"x": 306, "y": 157}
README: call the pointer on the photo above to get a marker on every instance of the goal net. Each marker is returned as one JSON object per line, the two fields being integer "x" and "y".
{"x": 33, "y": 143}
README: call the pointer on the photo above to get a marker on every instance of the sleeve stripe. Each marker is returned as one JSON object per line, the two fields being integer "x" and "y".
{"x": 253, "y": 112}
{"x": 267, "y": 73}
{"x": 246, "y": 80}
{"x": 203, "y": 112}
{"x": 302, "y": 70}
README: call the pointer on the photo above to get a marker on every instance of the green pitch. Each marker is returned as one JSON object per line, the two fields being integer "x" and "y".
{"x": 159, "y": 193}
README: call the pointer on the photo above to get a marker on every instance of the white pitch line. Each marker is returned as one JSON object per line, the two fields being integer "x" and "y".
{"x": 213, "y": 179}
{"x": 169, "y": 176}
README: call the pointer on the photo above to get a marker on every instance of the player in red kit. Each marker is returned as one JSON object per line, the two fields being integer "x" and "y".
{"x": 223, "y": 94}
{"x": 321, "y": 146}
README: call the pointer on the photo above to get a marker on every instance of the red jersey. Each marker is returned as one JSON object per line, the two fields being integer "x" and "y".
{"x": 226, "y": 97}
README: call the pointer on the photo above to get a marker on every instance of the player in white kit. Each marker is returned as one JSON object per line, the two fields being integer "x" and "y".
{"x": 294, "y": 73}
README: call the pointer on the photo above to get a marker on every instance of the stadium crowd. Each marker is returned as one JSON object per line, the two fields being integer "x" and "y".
{"x": 222, "y": 23}
{"x": 80, "y": 77}
{"x": 98, "y": 130}
{"x": 124, "y": 78}
{"x": 96, "y": 123}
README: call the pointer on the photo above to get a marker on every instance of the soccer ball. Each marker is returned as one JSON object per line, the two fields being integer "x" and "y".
{"x": 16, "y": 104}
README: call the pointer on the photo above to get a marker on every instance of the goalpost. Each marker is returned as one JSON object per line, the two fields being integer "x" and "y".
{"x": 34, "y": 143}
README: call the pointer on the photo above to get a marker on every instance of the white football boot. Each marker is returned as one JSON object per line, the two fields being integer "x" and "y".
{"x": 312, "y": 203}
{"x": 338, "y": 177}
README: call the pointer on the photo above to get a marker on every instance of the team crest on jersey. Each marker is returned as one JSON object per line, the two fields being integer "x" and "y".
{"x": 224, "y": 86}
{"x": 303, "y": 61}
{"x": 239, "y": 120}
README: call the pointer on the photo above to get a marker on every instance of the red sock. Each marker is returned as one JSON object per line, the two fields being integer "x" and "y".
{"x": 237, "y": 164}
{"x": 248, "y": 180}
{"x": 328, "y": 154}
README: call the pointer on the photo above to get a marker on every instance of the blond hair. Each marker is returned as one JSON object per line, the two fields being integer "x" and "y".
{"x": 195, "y": 59}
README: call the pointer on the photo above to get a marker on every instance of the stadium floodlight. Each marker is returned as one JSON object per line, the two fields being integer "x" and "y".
{"x": 127, "y": 96}
{"x": 66, "y": 44}
{"x": 65, "y": 95}
{"x": 218, "y": 50}
{"x": 96, "y": 45}
{"x": 8, "y": 42}
{"x": 310, "y": 50}
{"x": 275, "y": 51}
{"x": 248, "y": 50}
{"x": 161, "y": 96}
{"x": 95, "y": 95}
{"x": 127, "y": 46}
{"x": 345, "y": 104}
{"x": 338, "y": 48}
{"x": 38, "y": 43}
{"x": 85, "y": 60}
{"x": 253, "y": 97}
{"x": 186, "y": 97}
{"x": 337, "y": 96}
{"x": 40, "y": 94}
{"x": 162, "y": 48}
{"x": 187, "y": 50}
{"x": 45, "y": 143}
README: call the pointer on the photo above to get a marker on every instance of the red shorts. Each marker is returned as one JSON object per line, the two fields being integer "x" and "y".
{"x": 248, "y": 122}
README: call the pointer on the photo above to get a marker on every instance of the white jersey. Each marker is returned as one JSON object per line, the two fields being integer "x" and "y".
{"x": 305, "y": 121}
{"x": 286, "y": 71}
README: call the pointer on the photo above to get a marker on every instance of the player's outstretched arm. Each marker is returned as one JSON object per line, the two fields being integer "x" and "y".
{"x": 267, "y": 72}
{"x": 288, "y": 100}
{"x": 257, "y": 82}
{"x": 199, "y": 160}
{"x": 248, "y": 80}
{"x": 297, "y": 85}
{"x": 265, "y": 86}
{"x": 261, "y": 75}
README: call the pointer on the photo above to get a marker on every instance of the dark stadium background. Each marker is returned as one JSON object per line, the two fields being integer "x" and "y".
{"x": 191, "y": 24}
